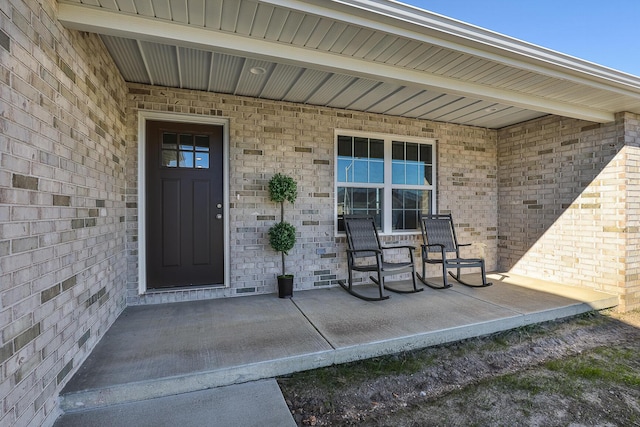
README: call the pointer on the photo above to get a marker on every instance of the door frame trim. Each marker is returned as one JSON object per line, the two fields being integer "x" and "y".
{"x": 143, "y": 117}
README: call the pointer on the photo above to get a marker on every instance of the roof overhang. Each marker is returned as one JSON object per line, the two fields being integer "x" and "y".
{"x": 382, "y": 56}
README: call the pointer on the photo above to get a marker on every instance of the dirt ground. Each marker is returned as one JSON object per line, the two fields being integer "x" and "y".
{"x": 583, "y": 371}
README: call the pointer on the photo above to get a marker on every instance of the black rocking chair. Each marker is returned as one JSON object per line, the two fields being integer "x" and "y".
{"x": 438, "y": 235}
{"x": 364, "y": 244}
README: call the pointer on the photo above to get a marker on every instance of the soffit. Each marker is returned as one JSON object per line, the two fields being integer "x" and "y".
{"x": 364, "y": 55}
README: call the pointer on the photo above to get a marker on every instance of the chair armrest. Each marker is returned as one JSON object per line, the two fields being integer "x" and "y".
{"x": 425, "y": 252}
{"x": 413, "y": 248}
{"x": 354, "y": 251}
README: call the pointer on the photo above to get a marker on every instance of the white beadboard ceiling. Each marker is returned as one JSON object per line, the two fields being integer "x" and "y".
{"x": 366, "y": 55}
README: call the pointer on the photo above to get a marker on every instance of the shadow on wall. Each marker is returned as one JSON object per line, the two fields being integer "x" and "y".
{"x": 561, "y": 202}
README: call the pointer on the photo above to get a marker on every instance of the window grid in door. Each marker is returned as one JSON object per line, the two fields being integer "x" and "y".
{"x": 184, "y": 150}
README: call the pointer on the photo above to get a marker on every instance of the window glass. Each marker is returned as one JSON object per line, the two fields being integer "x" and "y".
{"x": 364, "y": 175}
{"x": 202, "y": 160}
{"x": 184, "y": 151}
{"x": 185, "y": 159}
{"x": 408, "y": 206}
{"x": 376, "y": 149}
{"x": 202, "y": 143}
{"x": 169, "y": 159}
{"x": 398, "y": 150}
{"x": 360, "y": 160}
{"x": 361, "y": 171}
{"x": 412, "y": 152}
{"x": 428, "y": 175}
{"x": 186, "y": 142}
{"x": 376, "y": 171}
{"x": 411, "y": 163}
{"x": 361, "y": 147}
{"x": 398, "y": 173}
{"x": 345, "y": 146}
{"x": 169, "y": 140}
{"x": 344, "y": 172}
{"x": 359, "y": 201}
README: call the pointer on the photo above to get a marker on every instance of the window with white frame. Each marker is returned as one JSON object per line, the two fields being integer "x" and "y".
{"x": 389, "y": 177}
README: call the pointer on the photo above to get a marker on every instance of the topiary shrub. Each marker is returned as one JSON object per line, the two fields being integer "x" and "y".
{"x": 282, "y": 235}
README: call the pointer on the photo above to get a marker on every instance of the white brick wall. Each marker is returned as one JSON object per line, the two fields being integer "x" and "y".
{"x": 62, "y": 207}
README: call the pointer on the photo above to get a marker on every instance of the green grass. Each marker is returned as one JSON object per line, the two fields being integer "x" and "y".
{"x": 338, "y": 375}
{"x": 604, "y": 372}
{"x": 407, "y": 363}
{"x": 534, "y": 382}
{"x": 610, "y": 364}
{"x": 566, "y": 376}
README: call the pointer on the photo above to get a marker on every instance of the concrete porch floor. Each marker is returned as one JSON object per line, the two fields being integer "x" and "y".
{"x": 155, "y": 351}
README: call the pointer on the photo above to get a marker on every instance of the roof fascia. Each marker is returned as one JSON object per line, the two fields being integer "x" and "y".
{"x": 418, "y": 24}
{"x": 98, "y": 20}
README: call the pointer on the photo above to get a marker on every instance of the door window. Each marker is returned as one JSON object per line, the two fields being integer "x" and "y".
{"x": 184, "y": 150}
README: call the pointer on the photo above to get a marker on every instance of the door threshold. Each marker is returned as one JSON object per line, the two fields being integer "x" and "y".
{"x": 183, "y": 288}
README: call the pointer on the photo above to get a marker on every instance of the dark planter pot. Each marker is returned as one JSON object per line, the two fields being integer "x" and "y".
{"x": 285, "y": 286}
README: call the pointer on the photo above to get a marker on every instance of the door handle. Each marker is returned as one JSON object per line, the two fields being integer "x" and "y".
{"x": 219, "y": 216}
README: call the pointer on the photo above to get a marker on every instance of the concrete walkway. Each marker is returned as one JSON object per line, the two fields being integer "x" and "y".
{"x": 156, "y": 351}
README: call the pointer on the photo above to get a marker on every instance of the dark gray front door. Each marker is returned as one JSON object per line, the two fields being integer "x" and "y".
{"x": 185, "y": 229}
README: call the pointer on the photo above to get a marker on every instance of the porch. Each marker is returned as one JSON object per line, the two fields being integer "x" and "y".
{"x": 163, "y": 350}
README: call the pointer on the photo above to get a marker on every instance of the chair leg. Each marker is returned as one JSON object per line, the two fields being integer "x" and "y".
{"x": 484, "y": 278}
{"x": 424, "y": 280}
{"x": 484, "y": 275}
{"x": 415, "y": 285}
{"x": 422, "y": 276}
{"x": 402, "y": 291}
{"x": 349, "y": 287}
{"x": 380, "y": 284}
{"x": 445, "y": 280}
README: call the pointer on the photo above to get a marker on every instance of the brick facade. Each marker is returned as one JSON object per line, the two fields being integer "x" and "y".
{"x": 630, "y": 293}
{"x": 62, "y": 209}
{"x": 568, "y": 206}
{"x": 264, "y": 135}
{"x": 554, "y": 198}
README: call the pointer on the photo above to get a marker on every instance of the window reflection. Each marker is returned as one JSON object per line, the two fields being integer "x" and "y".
{"x": 202, "y": 160}
{"x": 186, "y": 159}
{"x": 360, "y": 160}
{"x": 408, "y": 206}
{"x": 361, "y": 167}
{"x": 169, "y": 141}
{"x": 411, "y": 163}
{"x": 359, "y": 201}
{"x": 169, "y": 159}
{"x": 184, "y": 151}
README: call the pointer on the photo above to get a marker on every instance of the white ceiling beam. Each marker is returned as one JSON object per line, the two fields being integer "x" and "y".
{"x": 90, "y": 19}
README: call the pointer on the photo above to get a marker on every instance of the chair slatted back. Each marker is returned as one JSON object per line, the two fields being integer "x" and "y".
{"x": 361, "y": 234}
{"x": 438, "y": 229}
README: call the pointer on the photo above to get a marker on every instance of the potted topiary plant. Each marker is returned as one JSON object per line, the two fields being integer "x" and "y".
{"x": 282, "y": 235}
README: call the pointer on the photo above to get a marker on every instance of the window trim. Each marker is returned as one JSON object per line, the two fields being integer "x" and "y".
{"x": 388, "y": 138}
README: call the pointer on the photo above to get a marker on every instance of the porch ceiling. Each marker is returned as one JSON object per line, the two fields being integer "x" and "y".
{"x": 365, "y": 55}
